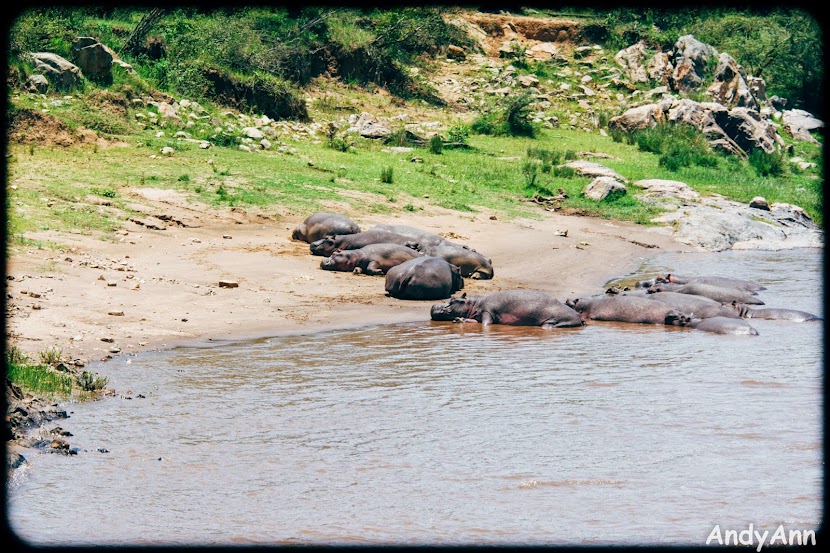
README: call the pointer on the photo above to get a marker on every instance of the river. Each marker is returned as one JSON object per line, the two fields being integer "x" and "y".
{"x": 431, "y": 433}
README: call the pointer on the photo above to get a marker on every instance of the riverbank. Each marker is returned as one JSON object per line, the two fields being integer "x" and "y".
{"x": 237, "y": 275}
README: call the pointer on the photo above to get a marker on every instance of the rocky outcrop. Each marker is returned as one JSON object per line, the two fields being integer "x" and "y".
{"x": 603, "y": 187}
{"x": 591, "y": 169}
{"x": 631, "y": 60}
{"x": 717, "y": 224}
{"x": 94, "y": 59}
{"x": 731, "y": 87}
{"x": 660, "y": 69}
{"x": 689, "y": 59}
{"x": 60, "y": 72}
{"x": 369, "y": 126}
{"x": 799, "y": 124}
{"x": 737, "y": 131}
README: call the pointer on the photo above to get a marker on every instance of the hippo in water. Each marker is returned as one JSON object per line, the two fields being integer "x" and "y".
{"x": 329, "y": 244}
{"x": 510, "y": 307}
{"x": 697, "y": 306}
{"x": 725, "y": 282}
{"x": 626, "y": 309}
{"x": 471, "y": 263}
{"x": 721, "y": 325}
{"x": 373, "y": 259}
{"x": 322, "y": 224}
{"x": 717, "y": 293}
{"x": 771, "y": 313}
{"x": 423, "y": 278}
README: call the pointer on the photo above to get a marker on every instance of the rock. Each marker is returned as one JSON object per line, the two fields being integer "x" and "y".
{"x": 689, "y": 58}
{"x": 759, "y": 202}
{"x": 253, "y": 133}
{"x": 799, "y": 124}
{"x": 602, "y": 187}
{"x": 369, "y": 126}
{"x": 37, "y": 83}
{"x": 667, "y": 189}
{"x": 637, "y": 118}
{"x": 168, "y": 111}
{"x": 730, "y": 87}
{"x": 631, "y": 60}
{"x": 591, "y": 169}
{"x": 228, "y": 284}
{"x": 116, "y": 313}
{"x": 60, "y": 72}
{"x": 456, "y": 53}
{"x": 528, "y": 80}
{"x": 167, "y": 151}
{"x": 659, "y": 68}
{"x": 94, "y": 59}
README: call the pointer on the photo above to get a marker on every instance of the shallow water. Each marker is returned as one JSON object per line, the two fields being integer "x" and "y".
{"x": 435, "y": 433}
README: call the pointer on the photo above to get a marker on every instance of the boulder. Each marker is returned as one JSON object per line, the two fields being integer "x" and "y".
{"x": 730, "y": 86}
{"x": 746, "y": 128}
{"x": 659, "y": 68}
{"x": 631, "y": 60}
{"x": 37, "y": 83}
{"x": 59, "y": 71}
{"x": 456, "y": 53}
{"x": 369, "y": 126}
{"x": 759, "y": 202}
{"x": 669, "y": 189}
{"x": 528, "y": 80}
{"x": 640, "y": 117}
{"x": 94, "y": 59}
{"x": 689, "y": 58}
{"x": 799, "y": 124}
{"x": 591, "y": 169}
{"x": 602, "y": 187}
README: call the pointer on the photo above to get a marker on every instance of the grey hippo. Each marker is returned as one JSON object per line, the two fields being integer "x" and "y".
{"x": 423, "y": 278}
{"x": 324, "y": 223}
{"x": 725, "y": 282}
{"x": 717, "y": 293}
{"x": 420, "y": 238}
{"x": 373, "y": 259}
{"x": 509, "y": 307}
{"x": 626, "y": 309}
{"x": 721, "y": 325}
{"x": 697, "y": 306}
{"x": 471, "y": 263}
{"x": 329, "y": 244}
{"x": 773, "y": 313}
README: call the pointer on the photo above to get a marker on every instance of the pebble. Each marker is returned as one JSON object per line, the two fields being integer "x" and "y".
{"x": 228, "y": 284}
{"x": 116, "y": 313}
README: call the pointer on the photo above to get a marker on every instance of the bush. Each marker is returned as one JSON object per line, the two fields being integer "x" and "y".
{"x": 435, "y": 144}
{"x": 513, "y": 120}
{"x": 767, "y": 165}
{"x": 386, "y": 175}
{"x": 677, "y": 146}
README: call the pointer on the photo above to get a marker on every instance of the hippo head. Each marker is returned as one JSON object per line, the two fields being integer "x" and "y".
{"x": 449, "y": 310}
{"x": 339, "y": 261}
{"x": 299, "y": 232}
{"x": 323, "y": 246}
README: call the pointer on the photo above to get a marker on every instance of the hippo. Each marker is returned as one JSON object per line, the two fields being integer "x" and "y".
{"x": 423, "y": 278}
{"x": 770, "y": 313}
{"x": 725, "y": 282}
{"x": 509, "y": 307}
{"x": 323, "y": 224}
{"x": 697, "y": 306}
{"x": 717, "y": 293}
{"x": 721, "y": 325}
{"x": 471, "y": 263}
{"x": 626, "y": 309}
{"x": 373, "y": 259}
{"x": 329, "y": 244}
{"x": 420, "y": 238}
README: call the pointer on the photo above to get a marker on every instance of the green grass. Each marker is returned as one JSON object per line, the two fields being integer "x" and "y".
{"x": 47, "y": 378}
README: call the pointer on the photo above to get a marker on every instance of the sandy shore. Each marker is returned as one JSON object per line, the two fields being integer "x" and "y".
{"x": 152, "y": 289}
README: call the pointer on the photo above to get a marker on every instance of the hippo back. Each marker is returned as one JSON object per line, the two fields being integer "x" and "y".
{"x": 423, "y": 278}
{"x": 324, "y": 223}
{"x": 471, "y": 263}
{"x": 326, "y": 246}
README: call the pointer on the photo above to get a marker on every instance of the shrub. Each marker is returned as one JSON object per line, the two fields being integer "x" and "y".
{"x": 513, "y": 120}
{"x": 436, "y": 144}
{"x": 386, "y": 175}
{"x": 767, "y": 165}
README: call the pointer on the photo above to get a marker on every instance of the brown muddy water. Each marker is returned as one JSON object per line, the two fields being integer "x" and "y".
{"x": 435, "y": 433}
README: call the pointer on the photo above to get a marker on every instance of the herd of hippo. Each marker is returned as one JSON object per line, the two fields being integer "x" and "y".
{"x": 421, "y": 265}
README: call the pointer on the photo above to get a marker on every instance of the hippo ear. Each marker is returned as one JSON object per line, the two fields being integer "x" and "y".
{"x": 464, "y": 295}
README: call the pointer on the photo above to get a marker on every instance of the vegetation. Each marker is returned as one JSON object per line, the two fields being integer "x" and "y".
{"x": 51, "y": 377}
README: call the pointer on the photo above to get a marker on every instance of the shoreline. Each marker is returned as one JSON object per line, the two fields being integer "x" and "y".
{"x": 159, "y": 289}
